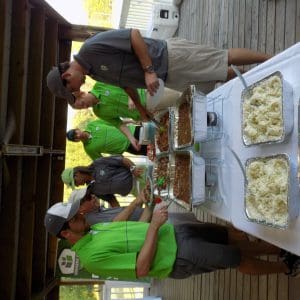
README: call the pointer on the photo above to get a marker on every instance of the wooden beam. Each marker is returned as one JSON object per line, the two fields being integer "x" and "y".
{"x": 48, "y": 104}
{"x": 46, "y": 290}
{"x": 79, "y": 32}
{"x": 31, "y": 136}
{"x": 35, "y": 77}
{"x": 50, "y": 12}
{"x": 10, "y": 213}
{"x": 5, "y": 26}
{"x": 44, "y": 163}
{"x": 9, "y": 222}
{"x": 40, "y": 236}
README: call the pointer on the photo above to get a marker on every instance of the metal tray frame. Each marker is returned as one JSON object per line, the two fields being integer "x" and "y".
{"x": 187, "y": 96}
{"x": 172, "y": 197}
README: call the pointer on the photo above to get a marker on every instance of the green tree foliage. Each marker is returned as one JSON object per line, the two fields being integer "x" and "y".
{"x": 99, "y": 12}
{"x": 77, "y": 292}
{"x": 82, "y": 117}
{"x": 76, "y": 155}
{"x": 76, "y": 46}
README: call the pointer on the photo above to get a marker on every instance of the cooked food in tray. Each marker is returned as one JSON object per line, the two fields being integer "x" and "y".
{"x": 148, "y": 190}
{"x": 184, "y": 124}
{"x": 182, "y": 180}
{"x": 162, "y": 177}
{"x": 267, "y": 190}
{"x": 162, "y": 138}
{"x": 262, "y": 111}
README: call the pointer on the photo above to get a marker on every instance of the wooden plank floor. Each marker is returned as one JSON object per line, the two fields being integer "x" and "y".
{"x": 265, "y": 25}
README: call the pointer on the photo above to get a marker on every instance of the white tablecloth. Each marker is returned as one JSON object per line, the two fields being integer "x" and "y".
{"x": 288, "y": 63}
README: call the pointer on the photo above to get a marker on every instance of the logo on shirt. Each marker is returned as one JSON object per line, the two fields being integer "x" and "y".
{"x": 107, "y": 93}
{"x": 101, "y": 172}
{"x": 103, "y": 68}
{"x": 67, "y": 262}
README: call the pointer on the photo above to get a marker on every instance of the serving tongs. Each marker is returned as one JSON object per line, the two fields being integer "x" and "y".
{"x": 158, "y": 126}
{"x": 246, "y": 91}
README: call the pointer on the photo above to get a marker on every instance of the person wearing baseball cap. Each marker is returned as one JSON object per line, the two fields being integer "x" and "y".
{"x": 82, "y": 210}
{"x": 124, "y": 58}
{"x": 99, "y": 137}
{"x": 62, "y": 87}
{"x": 130, "y": 250}
{"x": 108, "y": 175}
{"x": 60, "y": 214}
{"x": 67, "y": 177}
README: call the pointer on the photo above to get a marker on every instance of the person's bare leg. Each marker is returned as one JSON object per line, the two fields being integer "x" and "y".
{"x": 235, "y": 235}
{"x": 249, "y": 248}
{"x": 243, "y": 56}
{"x": 253, "y": 266}
{"x": 257, "y": 248}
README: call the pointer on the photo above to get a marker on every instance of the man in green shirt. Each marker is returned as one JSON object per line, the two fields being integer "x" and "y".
{"x": 99, "y": 137}
{"x": 130, "y": 250}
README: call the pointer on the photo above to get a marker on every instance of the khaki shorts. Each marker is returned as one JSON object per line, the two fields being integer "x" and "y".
{"x": 191, "y": 63}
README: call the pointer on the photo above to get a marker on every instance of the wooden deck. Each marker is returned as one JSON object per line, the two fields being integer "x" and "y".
{"x": 265, "y": 25}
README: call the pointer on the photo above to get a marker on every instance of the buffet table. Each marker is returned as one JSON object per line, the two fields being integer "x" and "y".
{"x": 230, "y": 178}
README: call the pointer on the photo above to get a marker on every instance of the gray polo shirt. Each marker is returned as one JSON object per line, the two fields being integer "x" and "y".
{"x": 111, "y": 176}
{"x": 108, "y": 57}
{"x": 107, "y": 215}
{"x": 103, "y": 215}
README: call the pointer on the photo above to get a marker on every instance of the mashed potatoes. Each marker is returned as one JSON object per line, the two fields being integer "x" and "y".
{"x": 262, "y": 112}
{"x": 267, "y": 190}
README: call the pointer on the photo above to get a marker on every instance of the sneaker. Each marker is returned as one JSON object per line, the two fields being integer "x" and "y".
{"x": 293, "y": 263}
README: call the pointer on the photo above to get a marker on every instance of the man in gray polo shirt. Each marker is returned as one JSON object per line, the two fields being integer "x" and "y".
{"x": 105, "y": 176}
{"x": 126, "y": 59}
{"x": 112, "y": 175}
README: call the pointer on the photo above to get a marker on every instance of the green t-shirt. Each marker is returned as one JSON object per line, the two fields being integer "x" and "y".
{"x": 113, "y": 103}
{"x": 111, "y": 249}
{"x": 105, "y": 139}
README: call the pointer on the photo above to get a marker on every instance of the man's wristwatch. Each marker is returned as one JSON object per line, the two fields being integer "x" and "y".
{"x": 149, "y": 69}
{"x": 132, "y": 168}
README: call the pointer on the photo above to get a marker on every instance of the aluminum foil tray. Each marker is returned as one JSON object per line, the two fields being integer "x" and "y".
{"x": 267, "y": 202}
{"x": 200, "y": 130}
{"x": 183, "y": 130}
{"x": 165, "y": 133}
{"x": 188, "y": 185}
{"x": 161, "y": 180}
{"x": 287, "y": 109}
